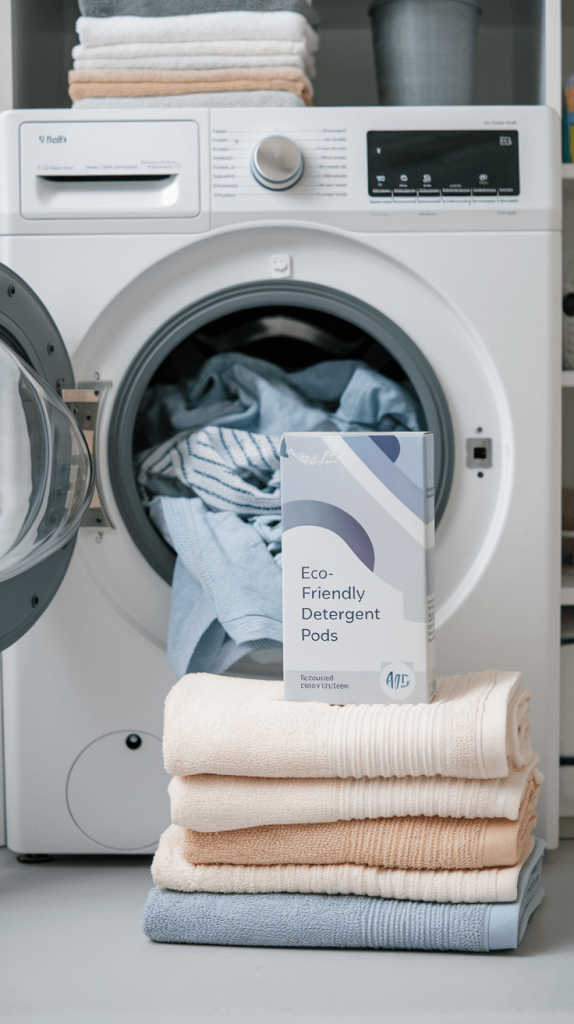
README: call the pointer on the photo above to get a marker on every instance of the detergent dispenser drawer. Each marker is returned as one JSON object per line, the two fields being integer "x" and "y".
{"x": 109, "y": 169}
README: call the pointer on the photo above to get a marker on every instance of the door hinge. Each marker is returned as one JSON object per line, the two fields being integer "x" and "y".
{"x": 84, "y": 403}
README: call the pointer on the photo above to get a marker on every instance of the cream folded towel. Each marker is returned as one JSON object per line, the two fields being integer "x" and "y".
{"x": 476, "y": 727}
{"x": 172, "y": 870}
{"x": 419, "y": 843}
{"x": 168, "y": 83}
{"x": 209, "y": 48}
{"x": 198, "y": 28}
{"x": 218, "y": 803}
{"x": 292, "y": 60}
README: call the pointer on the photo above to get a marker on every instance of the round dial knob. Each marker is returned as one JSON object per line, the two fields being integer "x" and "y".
{"x": 277, "y": 163}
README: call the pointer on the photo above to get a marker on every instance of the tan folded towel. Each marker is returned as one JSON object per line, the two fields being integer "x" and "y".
{"x": 419, "y": 843}
{"x": 218, "y": 803}
{"x": 476, "y": 727}
{"x": 172, "y": 870}
{"x": 155, "y": 82}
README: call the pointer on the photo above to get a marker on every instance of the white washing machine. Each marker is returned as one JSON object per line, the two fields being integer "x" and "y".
{"x": 133, "y": 245}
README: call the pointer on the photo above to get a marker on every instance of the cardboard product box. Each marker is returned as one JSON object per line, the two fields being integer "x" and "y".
{"x": 358, "y": 567}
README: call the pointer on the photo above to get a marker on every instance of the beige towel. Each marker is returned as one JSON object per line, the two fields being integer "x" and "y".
{"x": 476, "y": 727}
{"x": 217, "y": 803}
{"x": 154, "y": 82}
{"x": 418, "y": 843}
{"x": 172, "y": 870}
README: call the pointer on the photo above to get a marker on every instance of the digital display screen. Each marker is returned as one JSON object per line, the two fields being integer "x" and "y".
{"x": 443, "y": 163}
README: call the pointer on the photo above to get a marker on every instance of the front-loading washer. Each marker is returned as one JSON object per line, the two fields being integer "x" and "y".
{"x": 132, "y": 247}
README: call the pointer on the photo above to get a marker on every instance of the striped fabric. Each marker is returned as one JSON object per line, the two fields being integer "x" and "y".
{"x": 230, "y": 470}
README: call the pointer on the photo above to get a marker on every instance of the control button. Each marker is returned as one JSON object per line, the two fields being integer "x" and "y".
{"x": 507, "y": 191}
{"x": 462, "y": 193}
{"x": 405, "y": 193}
{"x": 381, "y": 192}
{"x": 484, "y": 191}
{"x": 277, "y": 163}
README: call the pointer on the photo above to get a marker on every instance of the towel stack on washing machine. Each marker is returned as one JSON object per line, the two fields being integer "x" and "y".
{"x": 209, "y": 53}
{"x": 382, "y": 826}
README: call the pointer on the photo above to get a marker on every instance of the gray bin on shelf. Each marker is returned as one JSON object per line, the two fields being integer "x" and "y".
{"x": 424, "y": 51}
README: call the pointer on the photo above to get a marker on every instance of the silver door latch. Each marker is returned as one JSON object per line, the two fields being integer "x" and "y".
{"x": 84, "y": 404}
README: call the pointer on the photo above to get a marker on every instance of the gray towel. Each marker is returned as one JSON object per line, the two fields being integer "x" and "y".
{"x": 257, "y": 98}
{"x": 175, "y": 8}
{"x": 297, "y": 919}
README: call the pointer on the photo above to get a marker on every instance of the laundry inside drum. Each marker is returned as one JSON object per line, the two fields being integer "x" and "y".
{"x": 206, "y": 464}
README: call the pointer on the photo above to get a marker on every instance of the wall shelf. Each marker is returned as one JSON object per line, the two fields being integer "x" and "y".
{"x": 567, "y": 171}
{"x": 568, "y": 378}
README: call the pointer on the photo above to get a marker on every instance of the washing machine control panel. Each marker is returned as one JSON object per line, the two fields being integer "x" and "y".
{"x": 443, "y": 165}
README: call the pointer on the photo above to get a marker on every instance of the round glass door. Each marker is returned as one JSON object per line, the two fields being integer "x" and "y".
{"x": 46, "y": 477}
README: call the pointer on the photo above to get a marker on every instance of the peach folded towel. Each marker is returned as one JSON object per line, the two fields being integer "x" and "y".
{"x": 422, "y": 844}
{"x": 219, "y": 803}
{"x": 155, "y": 82}
{"x": 476, "y": 727}
{"x": 172, "y": 869}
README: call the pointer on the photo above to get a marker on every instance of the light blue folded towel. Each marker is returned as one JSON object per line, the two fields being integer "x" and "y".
{"x": 299, "y": 919}
{"x": 216, "y": 483}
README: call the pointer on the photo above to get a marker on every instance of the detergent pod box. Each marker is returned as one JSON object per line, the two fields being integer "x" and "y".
{"x": 358, "y": 567}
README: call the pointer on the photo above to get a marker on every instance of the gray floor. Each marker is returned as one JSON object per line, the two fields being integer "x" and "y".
{"x": 72, "y": 952}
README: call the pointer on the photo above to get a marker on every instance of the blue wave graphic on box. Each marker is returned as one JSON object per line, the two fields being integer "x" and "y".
{"x": 329, "y": 517}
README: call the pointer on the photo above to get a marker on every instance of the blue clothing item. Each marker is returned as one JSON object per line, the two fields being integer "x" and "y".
{"x": 220, "y": 492}
{"x": 238, "y": 391}
{"x": 226, "y": 590}
{"x": 350, "y": 922}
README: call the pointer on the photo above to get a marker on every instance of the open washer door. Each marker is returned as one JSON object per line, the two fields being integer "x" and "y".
{"x": 46, "y": 476}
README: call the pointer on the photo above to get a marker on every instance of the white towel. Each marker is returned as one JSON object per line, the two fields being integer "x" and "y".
{"x": 307, "y": 65}
{"x": 221, "y": 803}
{"x": 211, "y": 48}
{"x": 172, "y": 870}
{"x": 257, "y": 98}
{"x": 197, "y": 28}
{"x": 476, "y": 727}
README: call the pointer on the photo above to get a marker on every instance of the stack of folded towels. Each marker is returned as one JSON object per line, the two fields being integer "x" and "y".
{"x": 190, "y": 53}
{"x": 307, "y": 824}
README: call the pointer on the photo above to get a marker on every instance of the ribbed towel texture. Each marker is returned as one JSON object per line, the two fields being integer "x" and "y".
{"x": 476, "y": 727}
{"x": 296, "y": 919}
{"x": 406, "y": 843}
{"x": 172, "y": 869}
{"x": 390, "y": 827}
{"x": 216, "y": 803}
